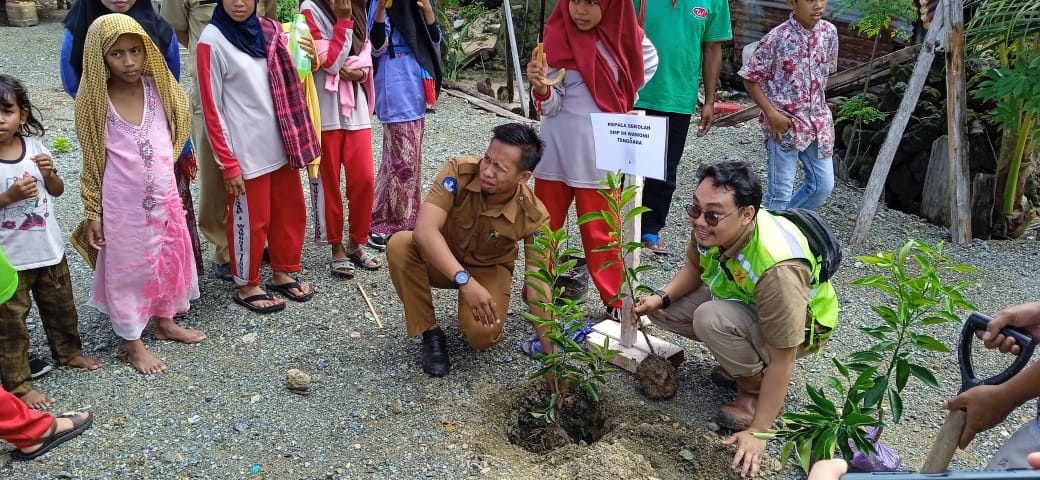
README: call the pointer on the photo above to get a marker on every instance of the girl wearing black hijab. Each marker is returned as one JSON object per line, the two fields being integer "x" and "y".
{"x": 84, "y": 12}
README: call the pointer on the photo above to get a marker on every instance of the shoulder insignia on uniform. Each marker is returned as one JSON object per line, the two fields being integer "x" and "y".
{"x": 450, "y": 184}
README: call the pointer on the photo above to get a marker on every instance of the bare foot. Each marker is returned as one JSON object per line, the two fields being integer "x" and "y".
{"x": 167, "y": 329}
{"x": 141, "y": 358}
{"x": 37, "y": 400}
{"x": 85, "y": 362}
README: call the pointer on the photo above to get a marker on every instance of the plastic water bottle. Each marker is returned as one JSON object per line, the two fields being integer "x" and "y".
{"x": 299, "y": 30}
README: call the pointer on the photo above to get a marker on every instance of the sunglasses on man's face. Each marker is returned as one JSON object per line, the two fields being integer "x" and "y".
{"x": 711, "y": 218}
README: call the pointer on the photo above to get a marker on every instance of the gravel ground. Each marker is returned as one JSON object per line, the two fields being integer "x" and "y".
{"x": 222, "y": 411}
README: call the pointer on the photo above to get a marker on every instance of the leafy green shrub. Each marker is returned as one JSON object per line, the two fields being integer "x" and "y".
{"x": 61, "y": 144}
{"x": 858, "y": 109}
{"x": 286, "y": 10}
{"x": 912, "y": 278}
{"x": 570, "y": 365}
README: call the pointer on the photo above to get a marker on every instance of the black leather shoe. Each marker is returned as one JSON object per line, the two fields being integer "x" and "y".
{"x": 435, "y": 360}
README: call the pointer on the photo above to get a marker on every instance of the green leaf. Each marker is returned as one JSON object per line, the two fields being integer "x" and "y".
{"x": 874, "y": 395}
{"x": 805, "y": 455}
{"x": 902, "y": 373}
{"x": 820, "y": 400}
{"x": 895, "y": 402}
{"x": 923, "y": 374}
{"x": 928, "y": 343}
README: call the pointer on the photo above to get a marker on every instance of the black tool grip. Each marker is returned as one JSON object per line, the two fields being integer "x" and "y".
{"x": 978, "y": 321}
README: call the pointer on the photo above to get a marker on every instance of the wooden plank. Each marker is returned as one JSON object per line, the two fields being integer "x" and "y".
{"x": 483, "y": 104}
{"x": 630, "y": 357}
{"x": 895, "y": 134}
{"x": 630, "y": 232}
{"x": 935, "y": 194}
{"x": 839, "y": 83}
{"x": 957, "y": 114}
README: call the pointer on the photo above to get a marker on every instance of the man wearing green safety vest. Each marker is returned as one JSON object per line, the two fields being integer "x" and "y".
{"x": 747, "y": 291}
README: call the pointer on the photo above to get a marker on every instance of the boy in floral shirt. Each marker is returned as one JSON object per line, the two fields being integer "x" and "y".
{"x": 786, "y": 77}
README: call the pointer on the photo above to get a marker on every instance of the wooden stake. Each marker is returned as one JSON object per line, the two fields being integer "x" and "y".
{"x": 957, "y": 115}
{"x": 370, "y": 308}
{"x": 883, "y": 164}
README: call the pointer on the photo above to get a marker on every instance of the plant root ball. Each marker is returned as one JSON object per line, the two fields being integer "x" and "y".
{"x": 549, "y": 438}
{"x": 656, "y": 376}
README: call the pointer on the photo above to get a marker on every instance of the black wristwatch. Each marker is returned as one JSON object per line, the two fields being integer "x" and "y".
{"x": 665, "y": 301}
{"x": 461, "y": 278}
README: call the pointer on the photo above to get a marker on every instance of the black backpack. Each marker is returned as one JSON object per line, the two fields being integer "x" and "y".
{"x": 822, "y": 241}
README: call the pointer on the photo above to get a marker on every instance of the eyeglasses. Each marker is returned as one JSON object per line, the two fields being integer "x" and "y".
{"x": 711, "y": 218}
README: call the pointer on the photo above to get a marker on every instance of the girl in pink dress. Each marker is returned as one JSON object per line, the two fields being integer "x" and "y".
{"x": 131, "y": 118}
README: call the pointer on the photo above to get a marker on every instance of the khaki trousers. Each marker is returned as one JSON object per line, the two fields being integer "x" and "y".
{"x": 414, "y": 280}
{"x": 212, "y": 195}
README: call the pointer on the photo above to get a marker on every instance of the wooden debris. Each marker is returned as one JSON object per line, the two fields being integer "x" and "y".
{"x": 370, "y": 308}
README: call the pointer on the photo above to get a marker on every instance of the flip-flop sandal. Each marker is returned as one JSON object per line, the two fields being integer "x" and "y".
{"x": 248, "y": 303}
{"x": 286, "y": 290}
{"x": 363, "y": 259}
{"x": 79, "y": 425}
{"x": 341, "y": 267}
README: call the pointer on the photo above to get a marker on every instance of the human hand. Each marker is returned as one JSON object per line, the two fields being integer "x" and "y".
{"x": 750, "y": 452}
{"x": 426, "y": 6}
{"x": 45, "y": 163}
{"x": 537, "y": 69}
{"x": 342, "y": 9}
{"x": 986, "y": 406}
{"x": 707, "y": 118}
{"x": 307, "y": 45}
{"x": 829, "y": 469}
{"x": 779, "y": 124}
{"x": 645, "y": 305}
{"x": 351, "y": 74}
{"x": 22, "y": 189}
{"x": 480, "y": 302}
{"x": 1025, "y": 316}
{"x": 235, "y": 185}
{"x": 95, "y": 235}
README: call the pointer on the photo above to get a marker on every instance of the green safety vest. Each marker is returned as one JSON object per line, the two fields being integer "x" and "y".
{"x": 775, "y": 239}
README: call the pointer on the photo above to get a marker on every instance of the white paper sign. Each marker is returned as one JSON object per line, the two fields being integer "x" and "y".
{"x": 631, "y": 143}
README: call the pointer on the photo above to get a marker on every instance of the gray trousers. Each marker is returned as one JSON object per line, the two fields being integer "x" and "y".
{"x": 729, "y": 329}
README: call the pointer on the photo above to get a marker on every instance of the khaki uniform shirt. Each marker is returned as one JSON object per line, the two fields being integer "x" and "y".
{"x": 781, "y": 295}
{"x": 479, "y": 236}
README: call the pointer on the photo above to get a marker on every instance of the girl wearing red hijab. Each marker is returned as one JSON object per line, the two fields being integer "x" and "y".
{"x": 607, "y": 59}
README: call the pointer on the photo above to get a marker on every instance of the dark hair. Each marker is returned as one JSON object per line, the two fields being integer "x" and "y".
{"x": 736, "y": 176}
{"x": 11, "y": 88}
{"x": 525, "y": 137}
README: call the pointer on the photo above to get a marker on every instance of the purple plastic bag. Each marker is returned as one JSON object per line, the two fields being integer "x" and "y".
{"x": 884, "y": 460}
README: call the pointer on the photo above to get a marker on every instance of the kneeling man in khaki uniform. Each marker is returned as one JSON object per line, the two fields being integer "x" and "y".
{"x": 465, "y": 238}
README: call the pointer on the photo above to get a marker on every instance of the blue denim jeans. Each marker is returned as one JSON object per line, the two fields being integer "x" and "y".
{"x": 782, "y": 161}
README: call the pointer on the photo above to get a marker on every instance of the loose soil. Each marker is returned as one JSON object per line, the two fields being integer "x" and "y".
{"x": 638, "y": 441}
{"x": 656, "y": 377}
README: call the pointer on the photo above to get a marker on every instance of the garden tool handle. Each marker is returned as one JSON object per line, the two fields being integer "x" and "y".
{"x": 945, "y": 445}
{"x": 977, "y": 321}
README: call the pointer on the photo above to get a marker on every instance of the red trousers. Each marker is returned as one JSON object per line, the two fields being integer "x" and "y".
{"x": 272, "y": 212}
{"x": 19, "y": 424}
{"x": 350, "y": 150}
{"x": 557, "y": 197}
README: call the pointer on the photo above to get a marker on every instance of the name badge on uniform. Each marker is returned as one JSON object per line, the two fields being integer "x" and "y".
{"x": 450, "y": 184}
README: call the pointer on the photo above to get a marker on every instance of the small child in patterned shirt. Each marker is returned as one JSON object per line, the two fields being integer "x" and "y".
{"x": 787, "y": 76}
